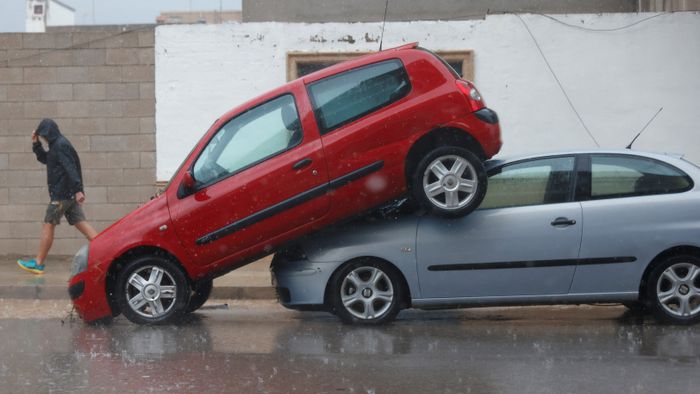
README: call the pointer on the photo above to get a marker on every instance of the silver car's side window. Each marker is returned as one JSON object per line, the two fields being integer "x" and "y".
{"x": 534, "y": 182}
{"x": 620, "y": 176}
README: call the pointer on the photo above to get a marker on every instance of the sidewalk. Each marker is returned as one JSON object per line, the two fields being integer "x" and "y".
{"x": 251, "y": 282}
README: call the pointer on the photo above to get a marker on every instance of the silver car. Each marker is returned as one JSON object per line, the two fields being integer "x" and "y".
{"x": 566, "y": 228}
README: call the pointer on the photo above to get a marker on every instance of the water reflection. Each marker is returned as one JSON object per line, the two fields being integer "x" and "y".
{"x": 422, "y": 352}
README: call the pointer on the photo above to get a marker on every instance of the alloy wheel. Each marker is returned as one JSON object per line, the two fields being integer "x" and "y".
{"x": 678, "y": 290}
{"x": 450, "y": 182}
{"x": 367, "y": 293}
{"x": 151, "y": 291}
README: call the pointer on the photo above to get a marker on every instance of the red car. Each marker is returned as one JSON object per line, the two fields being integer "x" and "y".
{"x": 322, "y": 148}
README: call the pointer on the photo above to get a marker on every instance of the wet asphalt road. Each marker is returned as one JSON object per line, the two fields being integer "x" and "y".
{"x": 251, "y": 348}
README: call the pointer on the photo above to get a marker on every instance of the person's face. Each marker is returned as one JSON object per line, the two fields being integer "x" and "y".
{"x": 44, "y": 141}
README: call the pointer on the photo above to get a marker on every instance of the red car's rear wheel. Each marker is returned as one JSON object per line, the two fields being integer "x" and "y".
{"x": 449, "y": 181}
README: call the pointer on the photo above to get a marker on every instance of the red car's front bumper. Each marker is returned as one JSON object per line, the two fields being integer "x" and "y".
{"x": 89, "y": 296}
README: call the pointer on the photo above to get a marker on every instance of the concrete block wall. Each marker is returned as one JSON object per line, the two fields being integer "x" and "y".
{"x": 99, "y": 87}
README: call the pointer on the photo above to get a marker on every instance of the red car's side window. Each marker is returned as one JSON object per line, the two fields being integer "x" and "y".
{"x": 248, "y": 139}
{"x": 342, "y": 98}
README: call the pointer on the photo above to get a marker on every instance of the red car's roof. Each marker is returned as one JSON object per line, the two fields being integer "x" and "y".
{"x": 320, "y": 74}
{"x": 353, "y": 63}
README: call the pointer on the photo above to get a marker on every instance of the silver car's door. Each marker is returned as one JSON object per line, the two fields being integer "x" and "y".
{"x": 523, "y": 240}
{"x": 634, "y": 208}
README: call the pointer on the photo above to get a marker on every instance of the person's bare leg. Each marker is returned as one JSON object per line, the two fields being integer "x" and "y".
{"x": 87, "y": 230}
{"x": 46, "y": 241}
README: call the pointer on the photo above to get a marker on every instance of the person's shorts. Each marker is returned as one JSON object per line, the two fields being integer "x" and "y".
{"x": 68, "y": 208}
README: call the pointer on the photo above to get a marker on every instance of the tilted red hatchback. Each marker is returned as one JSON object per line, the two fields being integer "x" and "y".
{"x": 319, "y": 149}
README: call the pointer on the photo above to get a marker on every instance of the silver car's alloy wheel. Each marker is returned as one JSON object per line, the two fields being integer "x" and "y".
{"x": 450, "y": 182}
{"x": 367, "y": 293}
{"x": 151, "y": 291}
{"x": 678, "y": 290}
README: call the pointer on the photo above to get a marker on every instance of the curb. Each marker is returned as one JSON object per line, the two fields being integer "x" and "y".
{"x": 243, "y": 293}
{"x": 34, "y": 292}
{"x": 54, "y": 292}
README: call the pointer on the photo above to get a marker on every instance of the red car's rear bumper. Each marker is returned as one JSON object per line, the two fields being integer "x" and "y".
{"x": 488, "y": 131}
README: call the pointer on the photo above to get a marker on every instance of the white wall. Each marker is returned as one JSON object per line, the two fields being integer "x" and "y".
{"x": 617, "y": 80}
{"x": 60, "y": 15}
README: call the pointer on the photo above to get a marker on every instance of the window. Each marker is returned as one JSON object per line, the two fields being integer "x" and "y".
{"x": 250, "y": 138}
{"x": 542, "y": 181}
{"x": 460, "y": 63}
{"x": 620, "y": 176}
{"x": 347, "y": 96}
{"x": 300, "y": 64}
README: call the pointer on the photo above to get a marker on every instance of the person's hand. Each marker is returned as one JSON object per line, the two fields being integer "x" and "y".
{"x": 80, "y": 197}
{"x": 35, "y": 137}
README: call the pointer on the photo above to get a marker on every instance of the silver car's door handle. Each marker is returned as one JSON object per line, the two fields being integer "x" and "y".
{"x": 562, "y": 221}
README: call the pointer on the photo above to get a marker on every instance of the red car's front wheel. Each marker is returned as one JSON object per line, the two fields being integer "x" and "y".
{"x": 152, "y": 290}
{"x": 200, "y": 294}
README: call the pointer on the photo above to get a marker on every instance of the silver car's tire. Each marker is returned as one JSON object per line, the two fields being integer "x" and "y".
{"x": 673, "y": 290}
{"x": 152, "y": 290}
{"x": 635, "y": 306}
{"x": 449, "y": 181}
{"x": 366, "y": 292}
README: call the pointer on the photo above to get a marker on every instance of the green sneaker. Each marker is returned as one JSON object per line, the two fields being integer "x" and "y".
{"x": 31, "y": 266}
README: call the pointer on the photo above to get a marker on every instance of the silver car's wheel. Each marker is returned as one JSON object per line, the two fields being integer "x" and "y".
{"x": 450, "y": 182}
{"x": 678, "y": 290}
{"x": 366, "y": 291}
{"x": 152, "y": 290}
{"x": 673, "y": 289}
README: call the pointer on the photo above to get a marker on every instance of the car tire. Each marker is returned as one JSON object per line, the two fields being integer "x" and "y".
{"x": 635, "y": 306}
{"x": 152, "y": 290}
{"x": 673, "y": 290}
{"x": 449, "y": 181}
{"x": 200, "y": 294}
{"x": 367, "y": 292}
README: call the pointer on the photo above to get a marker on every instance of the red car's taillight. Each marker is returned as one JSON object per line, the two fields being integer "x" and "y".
{"x": 476, "y": 102}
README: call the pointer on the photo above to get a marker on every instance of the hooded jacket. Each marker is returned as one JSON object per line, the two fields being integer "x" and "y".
{"x": 63, "y": 172}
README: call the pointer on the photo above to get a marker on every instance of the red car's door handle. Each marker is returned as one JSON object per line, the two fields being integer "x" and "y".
{"x": 302, "y": 163}
{"x": 563, "y": 222}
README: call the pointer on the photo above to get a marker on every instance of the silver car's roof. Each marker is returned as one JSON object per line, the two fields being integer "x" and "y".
{"x": 672, "y": 158}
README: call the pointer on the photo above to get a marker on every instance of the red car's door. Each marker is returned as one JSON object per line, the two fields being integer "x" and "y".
{"x": 261, "y": 175}
{"x": 363, "y": 125}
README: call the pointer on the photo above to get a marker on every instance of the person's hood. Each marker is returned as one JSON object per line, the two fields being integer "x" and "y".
{"x": 49, "y": 130}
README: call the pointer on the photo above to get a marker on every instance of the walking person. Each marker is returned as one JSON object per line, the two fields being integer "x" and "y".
{"x": 65, "y": 181}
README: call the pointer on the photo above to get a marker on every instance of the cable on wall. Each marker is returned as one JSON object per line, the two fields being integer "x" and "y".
{"x": 561, "y": 86}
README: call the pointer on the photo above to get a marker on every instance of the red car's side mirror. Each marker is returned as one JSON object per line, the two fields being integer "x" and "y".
{"x": 188, "y": 181}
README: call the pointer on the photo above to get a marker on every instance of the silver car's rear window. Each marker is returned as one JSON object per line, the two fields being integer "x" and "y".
{"x": 626, "y": 176}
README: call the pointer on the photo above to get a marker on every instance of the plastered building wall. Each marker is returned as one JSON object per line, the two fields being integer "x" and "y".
{"x": 617, "y": 75}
